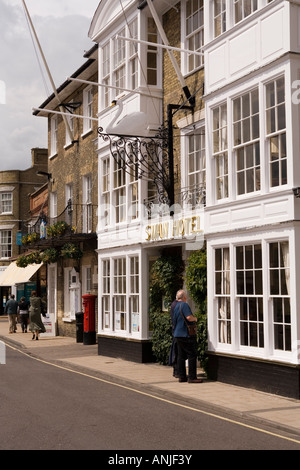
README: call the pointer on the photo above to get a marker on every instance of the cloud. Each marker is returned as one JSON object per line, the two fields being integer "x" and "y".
{"x": 63, "y": 38}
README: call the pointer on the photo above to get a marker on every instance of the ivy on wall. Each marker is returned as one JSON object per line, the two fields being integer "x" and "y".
{"x": 166, "y": 279}
{"x": 196, "y": 284}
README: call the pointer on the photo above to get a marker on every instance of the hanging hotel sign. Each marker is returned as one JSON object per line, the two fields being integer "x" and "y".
{"x": 187, "y": 228}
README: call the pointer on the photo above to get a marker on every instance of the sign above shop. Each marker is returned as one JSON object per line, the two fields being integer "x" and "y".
{"x": 186, "y": 228}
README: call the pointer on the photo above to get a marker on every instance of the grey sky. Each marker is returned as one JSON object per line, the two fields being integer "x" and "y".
{"x": 62, "y": 28}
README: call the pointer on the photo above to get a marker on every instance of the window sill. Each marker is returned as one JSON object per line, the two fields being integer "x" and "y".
{"x": 86, "y": 133}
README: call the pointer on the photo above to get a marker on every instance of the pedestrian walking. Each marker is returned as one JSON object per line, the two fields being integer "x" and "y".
{"x": 186, "y": 343}
{"x": 23, "y": 313}
{"x": 11, "y": 309}
{"x": 37, "y": 305}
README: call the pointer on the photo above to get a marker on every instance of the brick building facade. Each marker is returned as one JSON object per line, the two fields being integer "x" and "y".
{"x": 72, "y": 192}
{"x": 15, "y": 187}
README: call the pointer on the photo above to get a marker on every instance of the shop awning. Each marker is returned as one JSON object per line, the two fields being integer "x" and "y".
{"x": 15, "y": 275}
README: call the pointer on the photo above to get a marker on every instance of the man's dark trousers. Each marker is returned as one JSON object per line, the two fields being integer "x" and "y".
{"x": 187, "y": 349}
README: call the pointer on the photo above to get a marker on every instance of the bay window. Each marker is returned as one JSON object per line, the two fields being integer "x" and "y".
{"x": 121, "y": 294}
{"x": 119, "y": 64}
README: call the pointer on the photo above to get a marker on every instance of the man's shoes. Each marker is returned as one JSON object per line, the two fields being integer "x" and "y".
{"x": 182, "y": 379}
{"x": 195, "y": 381}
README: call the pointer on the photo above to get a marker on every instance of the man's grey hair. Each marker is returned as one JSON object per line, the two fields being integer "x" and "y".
{"x": 180, "y": 294}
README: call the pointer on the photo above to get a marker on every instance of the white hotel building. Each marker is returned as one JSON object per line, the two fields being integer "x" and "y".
{"x": 251, "y": 220}
{"x": 252, "y": 214}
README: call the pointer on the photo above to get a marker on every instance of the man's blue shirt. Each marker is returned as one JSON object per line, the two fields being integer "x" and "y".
{"x": 180, "y": 329}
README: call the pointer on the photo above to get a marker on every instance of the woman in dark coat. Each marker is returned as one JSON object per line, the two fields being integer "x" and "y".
{"x": 35, "y": 310}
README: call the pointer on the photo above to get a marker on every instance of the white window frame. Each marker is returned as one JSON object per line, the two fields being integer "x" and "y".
{"x": 279, "y": 276}
{"x": 6, "y": 199}
{"x": 220, "y": 150}
{"x": 105, "y": 204}
{"x": 240, "y": 9}
{"x": 53, "y": 205}
{"x": 70, "y": 120}
{"x": 87, "y": 207}
{"x": 69, "y": 197}
{"x": 277, "y": 132}
{"x": 152, "y": 53}
{"x": 87, "y": 279}
{"x": 254, "y": 315}
{"x": 120, "y": 65}
{"x": 106, "y": 301}
{"x": 53, "y": 135}
{"x": 5, "y": 244}
{"x": 120, "y": 290}
{"x": 67, "y": 292}
{"x": 219, "y": 17}
{"x": 88, "y": 109}
{"x": 246, "y": 141}
{"x": 222, "y": 294}
{"x": 193, "y": 30}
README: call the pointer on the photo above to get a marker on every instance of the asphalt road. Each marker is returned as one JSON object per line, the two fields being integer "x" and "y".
{"x": 45, "y": 407}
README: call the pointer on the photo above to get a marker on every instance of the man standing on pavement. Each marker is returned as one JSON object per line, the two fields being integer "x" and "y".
{"x": 186, "y": 344}
{"x": 11, "y": 309}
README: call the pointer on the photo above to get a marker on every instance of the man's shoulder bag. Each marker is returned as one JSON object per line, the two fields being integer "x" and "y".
{"x": 191, "y": 327}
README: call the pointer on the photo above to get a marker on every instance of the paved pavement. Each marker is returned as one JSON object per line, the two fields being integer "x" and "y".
{"x": 262, "y": 408}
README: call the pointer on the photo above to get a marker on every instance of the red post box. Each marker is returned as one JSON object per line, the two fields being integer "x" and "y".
{"x": 89, "y": 320}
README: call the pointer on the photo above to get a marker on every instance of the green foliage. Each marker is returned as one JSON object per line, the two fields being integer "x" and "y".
{"x": 70, "y": 250}
{"x": 162, "y": 336}
{"x": 196, "y": 277}
{"x": 59, "y": 229}
{"x": 50, "y": 255}
{"x": 166, "y": 279}
{"x": 29, "y": 238}
{"x": 196, "y": 283}
{"x": 31, "y": 258}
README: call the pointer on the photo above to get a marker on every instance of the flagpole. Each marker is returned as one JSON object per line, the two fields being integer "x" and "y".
{"x": 49, "y": 73}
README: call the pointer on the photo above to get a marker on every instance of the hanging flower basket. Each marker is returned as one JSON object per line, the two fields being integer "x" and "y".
{"x": 22, "y": 262}
{"x": 69, "y": 250}
{"x": 30, "y": 238}
{"x": 49, "y": 256}
{"x": 59, "y": 229}
{"x": 31, "y": 258}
